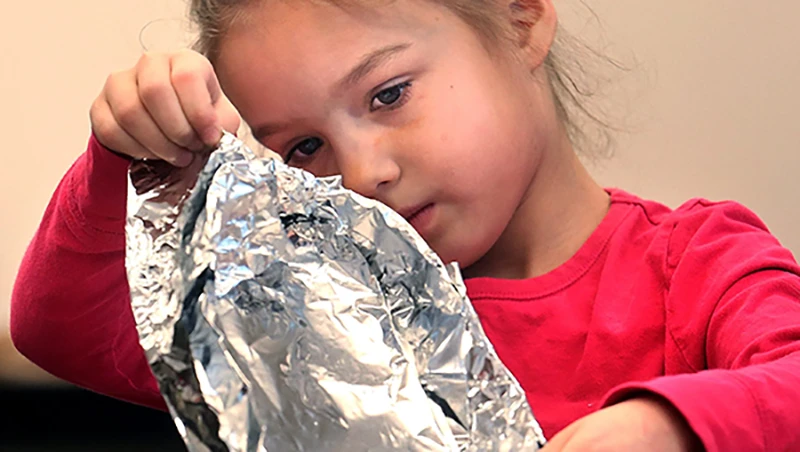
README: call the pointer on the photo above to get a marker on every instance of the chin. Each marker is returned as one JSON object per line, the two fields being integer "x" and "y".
{"x": 471, "y": 254}
{"x": 446, "y": 256}
{"x": 466, "y": 249}
{"x": 463, "y": 259}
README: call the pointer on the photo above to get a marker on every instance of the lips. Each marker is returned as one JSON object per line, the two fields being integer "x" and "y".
{"x": 411, "y": 212}
{"x": 418, "y": 216}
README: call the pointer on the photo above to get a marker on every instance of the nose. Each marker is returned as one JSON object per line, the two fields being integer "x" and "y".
{"x": 367, "y": 165}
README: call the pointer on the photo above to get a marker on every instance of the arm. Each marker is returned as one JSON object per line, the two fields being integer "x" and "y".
{"x": 70, "y": 307}
{"x": 733, "y": 314}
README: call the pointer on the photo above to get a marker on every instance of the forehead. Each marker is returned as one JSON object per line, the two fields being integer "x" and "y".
{"x": 291, "y": 43}
{"x": 299, "y": 32}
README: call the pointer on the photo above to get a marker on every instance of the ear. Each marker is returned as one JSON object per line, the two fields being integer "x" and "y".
{"x": 534, "y": 23}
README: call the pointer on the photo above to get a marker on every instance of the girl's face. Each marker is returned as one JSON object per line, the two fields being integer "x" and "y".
{"x": 405, "y": 102}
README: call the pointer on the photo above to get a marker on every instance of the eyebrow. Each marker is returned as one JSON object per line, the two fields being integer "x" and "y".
{"x": 266, "y": 130}
{"x": 368, "y": 63}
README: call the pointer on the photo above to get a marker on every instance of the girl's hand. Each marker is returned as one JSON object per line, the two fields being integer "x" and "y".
{"x": 165, "y": 107}
{"x": 641, "y": 424}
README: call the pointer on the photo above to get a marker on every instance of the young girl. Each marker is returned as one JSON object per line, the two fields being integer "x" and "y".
{"x": 630, "y": 326}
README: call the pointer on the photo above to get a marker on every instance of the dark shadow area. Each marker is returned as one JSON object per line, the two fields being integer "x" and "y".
{"x": 69, "y": 419}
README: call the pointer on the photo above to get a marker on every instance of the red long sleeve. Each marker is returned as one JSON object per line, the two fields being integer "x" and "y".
{"x": 700, "y": 305}
{"x": 733, "y": 316}
{"x": 70, "y": 307}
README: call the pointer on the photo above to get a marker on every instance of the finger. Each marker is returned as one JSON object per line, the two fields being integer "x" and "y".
{"x": 134, "y": 119}
{"x": 112, "y": 136}
{"x": 161, "y": 101}
{"x": 229, "y": 117}
{"x": 197, "y": 88}
{"x": 560, "y": 441}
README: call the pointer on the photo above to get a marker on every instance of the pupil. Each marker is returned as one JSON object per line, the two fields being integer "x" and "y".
{"x": 389, "y": 96}
{"x": 309, "y": 146}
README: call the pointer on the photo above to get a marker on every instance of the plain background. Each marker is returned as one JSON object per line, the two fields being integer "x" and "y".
{"x": 709, "y": 104}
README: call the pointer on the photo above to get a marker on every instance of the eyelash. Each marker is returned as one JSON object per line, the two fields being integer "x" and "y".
{"x": 405, "y": 94}
{"x": 293, "y": 149}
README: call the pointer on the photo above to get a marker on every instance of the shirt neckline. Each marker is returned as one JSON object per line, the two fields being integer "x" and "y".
{"x": 566, "y": 274}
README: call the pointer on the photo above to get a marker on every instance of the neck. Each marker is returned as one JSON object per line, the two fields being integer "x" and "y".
{"x": 561, "y": 208}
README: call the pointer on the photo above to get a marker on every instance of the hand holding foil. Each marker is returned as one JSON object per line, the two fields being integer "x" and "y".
{"x": 282, "y": 312}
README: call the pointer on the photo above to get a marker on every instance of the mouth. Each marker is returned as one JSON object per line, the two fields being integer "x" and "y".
{"x": 411, "y": 212}
{"x": 418, "y": 216}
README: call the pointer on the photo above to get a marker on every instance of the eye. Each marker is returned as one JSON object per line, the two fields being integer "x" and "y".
{"x": 390, "y": 97}
{"x": 306, "y": 148}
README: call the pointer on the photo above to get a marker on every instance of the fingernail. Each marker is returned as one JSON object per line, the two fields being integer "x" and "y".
{"x": 183, "y": 159}
{"x": 196, "y": 145}
{"x": 212, "y": 135}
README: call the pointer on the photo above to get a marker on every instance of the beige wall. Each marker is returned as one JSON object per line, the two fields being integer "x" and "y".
{"x": 55, "y": 58}
{"x": 712, "y": 102}
{"x": 717, "y": 110}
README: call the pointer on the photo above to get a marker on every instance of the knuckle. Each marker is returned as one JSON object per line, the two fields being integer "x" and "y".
{"x": 95, "y": 109}
{"x": 204, "y": 64}
{"x": 104, "y": 127}
{"x": 185, "y": 53}
{"x": 128, "y": 111}
{"x": 148, "y": 58}
{"x": 203, "y": 118}
{"x": 153, "y": 91}
{"x": 182, "y": 75}
{"x": 189, "y": 65}
{"x": 192, "y": 58}
{"x": 113, "y": 80}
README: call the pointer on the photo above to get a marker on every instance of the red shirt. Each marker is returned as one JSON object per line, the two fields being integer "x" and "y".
{"x": 700, "y": 305}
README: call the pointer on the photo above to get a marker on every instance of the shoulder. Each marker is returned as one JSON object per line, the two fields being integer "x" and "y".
{"x": 695, "y": 218}
{"x": 695, "y": 211}
{"x": 713, "y": 235}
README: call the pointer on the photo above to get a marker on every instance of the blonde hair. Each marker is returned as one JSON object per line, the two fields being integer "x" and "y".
{"x": 569, "y": 81}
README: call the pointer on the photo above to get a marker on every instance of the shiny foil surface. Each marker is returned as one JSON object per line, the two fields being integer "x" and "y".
{"x": 282, "y": 312}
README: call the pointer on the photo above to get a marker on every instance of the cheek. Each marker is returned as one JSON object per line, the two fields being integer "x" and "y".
{"x": 405, "y": 136}
{"x": 323, "y": 166}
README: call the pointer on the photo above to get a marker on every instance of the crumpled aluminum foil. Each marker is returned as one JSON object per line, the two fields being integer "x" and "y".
{"x": 282, "y": 312}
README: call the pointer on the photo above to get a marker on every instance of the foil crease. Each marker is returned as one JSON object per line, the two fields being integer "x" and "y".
{"x": 282, "y": 312}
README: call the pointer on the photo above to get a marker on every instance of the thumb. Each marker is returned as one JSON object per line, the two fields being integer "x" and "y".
{"x": 228, "y": 116}
{"x": 560, "y": 442}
